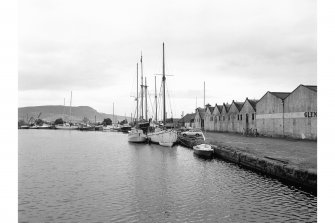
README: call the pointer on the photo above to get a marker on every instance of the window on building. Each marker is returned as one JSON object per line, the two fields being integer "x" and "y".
{"x": 253, "y": 116}
{"x": 223, "y": 118}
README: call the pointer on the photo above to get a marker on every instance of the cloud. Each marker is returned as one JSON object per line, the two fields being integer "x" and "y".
{"x": 240, "y": 48}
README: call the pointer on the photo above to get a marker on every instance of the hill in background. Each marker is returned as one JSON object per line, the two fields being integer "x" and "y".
{"x": 51, "y": 112}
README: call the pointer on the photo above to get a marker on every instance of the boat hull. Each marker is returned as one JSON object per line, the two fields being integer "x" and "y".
{"x": 92, "y": 128}
{"x": 162, "y": 137}
{"x": 137, "y": 136}
{"x": 203, "y": 150}
{"x": 44, "y": 127}
{"x": 189, "y": 141}
{"x": 67, "y": 127}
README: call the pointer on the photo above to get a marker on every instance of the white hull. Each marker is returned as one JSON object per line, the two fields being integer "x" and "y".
{"x": 136, "y": 135}
{"x": 107, "y": 128}
{"x": 167, "y": 144}
{"x": 163, "y": 137}
{"x": 66, "y": 127}
{"x": 203, "y": 150}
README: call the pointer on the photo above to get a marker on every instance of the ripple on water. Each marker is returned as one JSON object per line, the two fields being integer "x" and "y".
{"x": 100, "y": 177}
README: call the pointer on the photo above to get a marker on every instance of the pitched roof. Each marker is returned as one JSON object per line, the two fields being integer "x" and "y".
{"x": 238, "y": 105}
{"x": 281, "y": 95}
{"x": 311, "y": 87}
{"x": 253, "y": 103}
{"x": 226, "y": 106}
{"x": 211, "y": 109}
{"x": 188, "y": 117}
{"x": 201, "y": 112}
{"x": 219, "y": 107}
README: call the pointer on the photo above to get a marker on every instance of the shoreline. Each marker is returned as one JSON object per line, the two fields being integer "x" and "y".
{"x": 306, "y": 179}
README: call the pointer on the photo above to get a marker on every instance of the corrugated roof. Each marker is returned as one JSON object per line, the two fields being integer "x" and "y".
{"x": 312, "y": 87}
{"x": 281, "y": 95}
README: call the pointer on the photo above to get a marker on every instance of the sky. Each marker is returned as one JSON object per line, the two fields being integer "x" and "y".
{"x": 239, "y": 48}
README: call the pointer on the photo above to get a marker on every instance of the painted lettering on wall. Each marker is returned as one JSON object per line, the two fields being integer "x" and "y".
{"x": 310, "y": 114}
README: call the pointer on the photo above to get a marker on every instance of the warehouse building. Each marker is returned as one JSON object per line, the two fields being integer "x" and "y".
{"x": 270, "y": 114}
{"x": 248, "y": 117}
{"x": 300, "y": 108}
{"x": 217, "y": 118}
{"x": 224, "y": 117}
{"x": 233, "y": 123}
{"x": 209, "y": 118}
{"x": 199, "y": 121}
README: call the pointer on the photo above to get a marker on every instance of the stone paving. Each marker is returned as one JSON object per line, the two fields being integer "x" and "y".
{"x": 300, "y": 153}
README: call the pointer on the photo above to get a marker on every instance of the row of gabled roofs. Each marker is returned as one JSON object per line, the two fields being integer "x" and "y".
{"x": 253, "y": 102}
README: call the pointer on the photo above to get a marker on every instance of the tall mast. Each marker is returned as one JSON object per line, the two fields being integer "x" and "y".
{"x": 137, "y": 92}
{"x": 155, "y": 100}
{"x": 113, "y": 114}
{"x": 164, "y": 113}
{"x": 141, "y": 87}
{"x": 146, "y": 99}
{"x": 204, "y": 94}
{"x": 63, "y": 110}
{"x": 70, "y": 105}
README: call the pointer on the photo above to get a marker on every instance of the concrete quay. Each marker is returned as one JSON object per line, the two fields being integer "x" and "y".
{"x": 291, "y": 161}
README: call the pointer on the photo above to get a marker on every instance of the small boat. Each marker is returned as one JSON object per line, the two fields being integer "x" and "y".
{"x": 190, "y": 141}
{"x": 107, "y": 128}
{"x": 137, "y": 135}
{"x": 24, "y": 127}
{"x": 86, "y": 127}
{"x": 33, "y": 127}
{"x": 204, "y": 150}
{"x": 66, "y": 126}
{"x": 98, "y": 128}
{"x": 125, "y": 128}
{"x": 44, "y": 126}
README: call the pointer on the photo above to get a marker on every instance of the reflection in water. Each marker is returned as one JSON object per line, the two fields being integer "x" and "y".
{"x": 99, "y": 177}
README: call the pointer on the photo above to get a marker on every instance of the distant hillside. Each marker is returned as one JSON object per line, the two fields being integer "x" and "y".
{"x": 52, "y": 112}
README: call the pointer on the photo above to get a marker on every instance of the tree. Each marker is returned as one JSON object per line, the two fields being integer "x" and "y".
{"x": 123, "y": 122}
{"x": 39, "y": 122}
{"x": 107, "y": 121}
{"x": 86, "y": 120}
{"x": 59, "y": 121}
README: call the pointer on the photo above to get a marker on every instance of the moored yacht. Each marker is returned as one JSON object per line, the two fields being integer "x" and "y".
{"x": 164, "y": 137}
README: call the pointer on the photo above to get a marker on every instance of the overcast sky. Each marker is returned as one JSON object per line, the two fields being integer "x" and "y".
{"x": 240, "y": 48}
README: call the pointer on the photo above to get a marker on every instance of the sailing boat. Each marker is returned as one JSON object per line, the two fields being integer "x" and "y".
{"x": 164, "y": 137}
{"x": 67, "y": 126}
{"x": 137, "y": 134}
